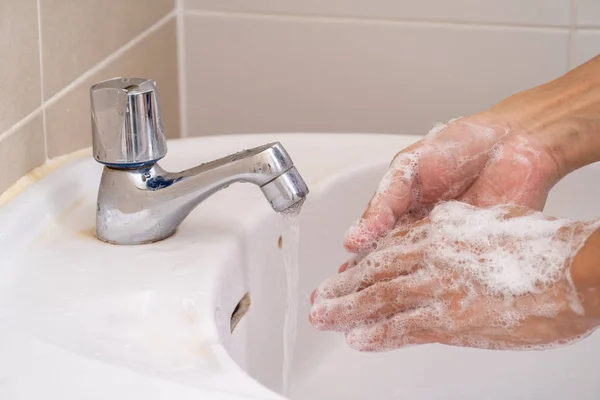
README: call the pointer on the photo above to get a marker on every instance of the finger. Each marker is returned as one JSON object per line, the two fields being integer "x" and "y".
{"x": 410, "y": 339}
{"x": 343, "y": 267}
{"x": 401, "y": 235}
{"x": 398, "y": 331}
{"x": 414, "y": 215}
{"x": 455, "y": 159}
{"x": 391, "y": 200}
{"x": 415, "y": 233}
{"x": 383, "y": 265}
{"x": 408, "y": 232}
{"x": 477, "y": 340}
{"x": 374, "y": 303}
{"x": 353, "y": 262}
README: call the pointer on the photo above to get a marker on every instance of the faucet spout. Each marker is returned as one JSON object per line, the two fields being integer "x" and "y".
{"x": 147, "y": 204}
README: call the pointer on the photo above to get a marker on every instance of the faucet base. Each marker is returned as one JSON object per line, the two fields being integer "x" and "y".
{"x": 124, "y": 242}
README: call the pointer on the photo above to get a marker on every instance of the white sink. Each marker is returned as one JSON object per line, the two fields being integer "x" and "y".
{"x": 82, "y": 319}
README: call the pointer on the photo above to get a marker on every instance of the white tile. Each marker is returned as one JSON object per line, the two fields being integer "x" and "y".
{"x": 586, "y": 46}
{"x": 546, "y": 12}
{"x": 588, "y": 12}
{"x": 255, "y": 74}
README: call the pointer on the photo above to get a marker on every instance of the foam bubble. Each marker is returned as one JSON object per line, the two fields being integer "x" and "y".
{"x": 437, "y": 128}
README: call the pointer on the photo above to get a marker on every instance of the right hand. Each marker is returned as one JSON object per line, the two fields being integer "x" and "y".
{"x": 478, "y": 160}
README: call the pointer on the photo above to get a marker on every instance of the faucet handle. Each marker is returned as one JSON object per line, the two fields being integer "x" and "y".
{"x": 126, "y": 124}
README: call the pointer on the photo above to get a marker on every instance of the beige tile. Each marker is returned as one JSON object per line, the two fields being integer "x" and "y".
{"x": 155, "y": 57}
{"x": 21, "y": 151}
{"x": 545, "y": 12}
{"x": 255, "y": 74}
{"x": 19, "y": 52}
{"x": 588, "y": 12}
{"x": 586, "y": 45}
{"x": 76, "y": 34}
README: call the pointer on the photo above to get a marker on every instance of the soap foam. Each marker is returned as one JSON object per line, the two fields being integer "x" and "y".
{"x": 403, "y": 168}
{"x": 437, "y": 128}
{"x": 466, "y": 268}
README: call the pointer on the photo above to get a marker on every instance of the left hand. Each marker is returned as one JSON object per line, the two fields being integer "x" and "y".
{"x": 497, "y": 278}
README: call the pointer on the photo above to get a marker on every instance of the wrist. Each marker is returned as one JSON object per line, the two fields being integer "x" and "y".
{"x": 562, "y": 117}
{"x": 585, "y": 273}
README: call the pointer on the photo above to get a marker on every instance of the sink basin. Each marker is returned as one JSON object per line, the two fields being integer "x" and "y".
{"x": 80, "y": 318}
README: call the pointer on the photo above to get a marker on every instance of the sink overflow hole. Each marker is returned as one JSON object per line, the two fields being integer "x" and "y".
{"x": 239, "y": 311}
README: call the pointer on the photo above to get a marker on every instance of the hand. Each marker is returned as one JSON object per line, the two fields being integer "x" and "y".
{"x": 498, "y": 277}
{"x": 513, "y": 152}
{"x": 478, "y": 160}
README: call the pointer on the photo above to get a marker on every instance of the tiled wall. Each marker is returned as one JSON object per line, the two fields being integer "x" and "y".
{"x": 371, "y": 66}
{"x": 276, "y": 66}
{"x": 53, "y": 50}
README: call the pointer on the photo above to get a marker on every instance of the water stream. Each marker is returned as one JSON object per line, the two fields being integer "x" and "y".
{"x": 290, "y": 239}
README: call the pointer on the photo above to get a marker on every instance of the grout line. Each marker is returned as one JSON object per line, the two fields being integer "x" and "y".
{"x": 588, "y": 28}
{"x": 572, "y": 28}
{"x": 374, "y": 20}
{"x": 42, "y": 101}
{"x": 21, "y": 123}
{"x": 112, "y": 57}
{"x": 182, "y": 70}
{"x": 84, "y": 76}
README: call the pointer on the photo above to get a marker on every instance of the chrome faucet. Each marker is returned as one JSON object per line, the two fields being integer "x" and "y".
{"x": 138, "y": 201}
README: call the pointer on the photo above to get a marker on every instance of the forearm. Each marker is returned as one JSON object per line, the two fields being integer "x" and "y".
{"x": 563, "y": 115}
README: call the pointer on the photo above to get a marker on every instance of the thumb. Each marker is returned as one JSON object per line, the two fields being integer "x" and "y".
{"x": 392, "y": 199}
